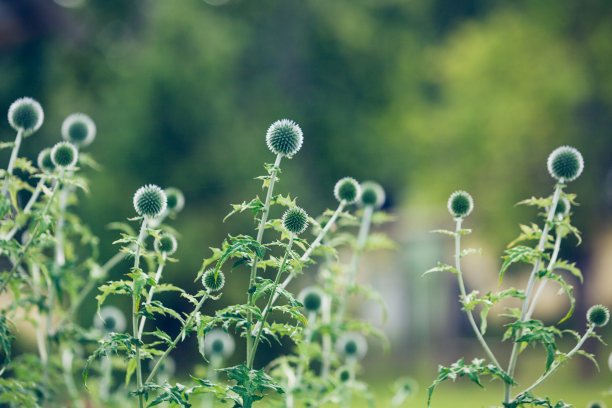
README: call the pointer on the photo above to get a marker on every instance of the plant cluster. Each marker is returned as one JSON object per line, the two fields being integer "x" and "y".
{"x": 565, "y": 164}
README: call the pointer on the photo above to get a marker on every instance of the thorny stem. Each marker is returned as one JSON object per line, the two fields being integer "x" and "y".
{"x": 481, "y": 339}
{"x": 267, "y": 309}
{"x": 558, "y": 363}
{"x": 306, "y": 255}
{"x": 364, "y": 229}
{"x": 553, "y": 260}
{"x": 160, "y": 268}
{"x": 262, "y": 226}
{"x": 11, "y": 165}
{"x": 135, "y": 305}
{"x": 178, "y": 337}
{"x": 530, "y": 284}
{"x": 25, "y": 248}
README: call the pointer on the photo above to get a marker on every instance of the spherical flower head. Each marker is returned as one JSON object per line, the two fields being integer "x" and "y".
{"x": 563, "y": 207}
{"x": 295, "y": 220}
{"x": 150, "y": 201}
{"x": 166, "y": 244}
{"x": 352, "y": 346}
{"x": 311, "y": 298}
{"x": 284, "y": 137}
{"x": 596, "y": 404}
{"x": 565, "y": 163}
{"x": 218, "y": 343}
{"x": 166, "y": 369}
{"x": 64, "y": 155}
{"x": 44, "y": 161}
{"x": 110, "y": 319}
{"x": 213, "y": 282}
{"x": 344, "y": 374}
{"x": 598, "y": 315}
{"x": 79, "y": 129}
{"x": 460, "y": 204}
{"x": 347, "y": 189}
{"x": 26, "y": 115}
{"x": 176, "y": 199}
{"x": 372, "y": 194}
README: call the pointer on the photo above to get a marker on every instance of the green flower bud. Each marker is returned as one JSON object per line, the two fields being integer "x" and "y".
{"x": 311, "y": 298}
{"x": 460, "y": 204}
{"x": 347, "y": 189}
{"x": 79, "y": 129}
{"x": 372, "y": 194}
{"x": 596, "y": 404}
{"x": 598, "y": 315}
{"x": 218, "y": 343}
{"x": 64, "y": 154}
{"x": 26, "y": 114}
{"x": 110, "y": 319}
{"x": 166, "y": 243}
{"x": 284, "y": 137}
{"x": 352, "y": 345}
{"x": 150, "y": 201}
{"x": 45, "y": 163}
{"x": 176, "y": 199}
{"x": 344, "y": 374}
{"x": 213, "y": 282}
{"x": 565, "y": 163}
{"x": 563, "y": 207}
{"x": 295, "y": 220}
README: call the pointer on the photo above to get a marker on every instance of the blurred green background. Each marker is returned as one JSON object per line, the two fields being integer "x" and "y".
{"x": 425, "y": 97}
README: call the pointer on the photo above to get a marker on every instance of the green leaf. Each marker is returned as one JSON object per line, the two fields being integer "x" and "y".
{"x": 441, "y": 268}
{"x": 518, "y": 254}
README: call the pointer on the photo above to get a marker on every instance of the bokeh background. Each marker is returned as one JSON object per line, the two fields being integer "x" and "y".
{"x": 423, "y": 96}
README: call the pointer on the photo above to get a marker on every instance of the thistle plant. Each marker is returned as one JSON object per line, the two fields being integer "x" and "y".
{"x": 564, "y": 164}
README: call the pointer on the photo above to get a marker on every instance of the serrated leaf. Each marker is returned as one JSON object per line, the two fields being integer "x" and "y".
{"x": 441, "y": 268}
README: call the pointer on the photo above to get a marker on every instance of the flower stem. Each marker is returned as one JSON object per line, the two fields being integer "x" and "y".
{"x": 262, "y": 226}
{"x": 530, "y": 284}
{"x": 267, "y": 309}
{"x": 160, "y": 268}
{"x": 135, "y": 306}
{"x": 481, "y": 339}
{"x": 11, "y": 165}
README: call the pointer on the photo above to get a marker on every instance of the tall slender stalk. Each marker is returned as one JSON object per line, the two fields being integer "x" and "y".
{"x": 262, "y": 226}
{"x": 530, "y": 284}
{"x": 11, "y": 165}
{"x": 158, "y": 274}
{"x": 135, "y": 306}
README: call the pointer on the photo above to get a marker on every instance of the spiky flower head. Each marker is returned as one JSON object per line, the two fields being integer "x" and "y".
{"x": 295, "y": 220}
{"x": 26, "y": 115}
{"x": 284, "y": 137}
{"x": 352, "y": 345}
{"x": 565, "y": 163}
{"x": 44, "y": 161}
{"x": 311, "y": 298}
{"x": 150, "y": 201}
{"x": 598, "y": 315}
{"x": 596, "y": 404}
{"x": 79, "y": 129}
{"x": 344, "y": 374}
{"x": 213, "y": 282}
{"x": 347, "y": 189}
{"x": 563, "y": 207}
{"x": 110, "y": 319}
{"x": 372, "y": 194}
{"x": 460, "y": 204}
{"x": 64, "y": 154}
{"x": 176, "y": 199}
{"x": 218, "y": 343}
{"x": 166, "y": 243}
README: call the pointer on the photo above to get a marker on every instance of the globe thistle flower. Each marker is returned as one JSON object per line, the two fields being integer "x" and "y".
{"x": 344, "y": 374}
{"x": 218, "y": 343}
{"x": 110, "y": 319}
{"x": 166, "y": 370}
{"x": 26, "y": 115}
{"x": 64, "y": 155}
{"x": 45, "y": 163}
{"x": 79, "y": 129}
{"x": 372, "y": 194}
{"x": 598, "y": 315}
{"x": 352, "y": 346}
{"x": 563, "y": 207}
{"x": 565, "y": 163}
{"x": 165, "y": 244}
{"x": 347, "y": 189}
{"x": 176, "y": 199}
{"x": 596, "y": 404}
{"x": 150, "y": 201}
{"x": 311, "y": 298}
{"x": 460, "y": 204}
{"x": 295, "y": 220}
{"x": 284, "y": 137}
{"x": 213, "y": 282}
